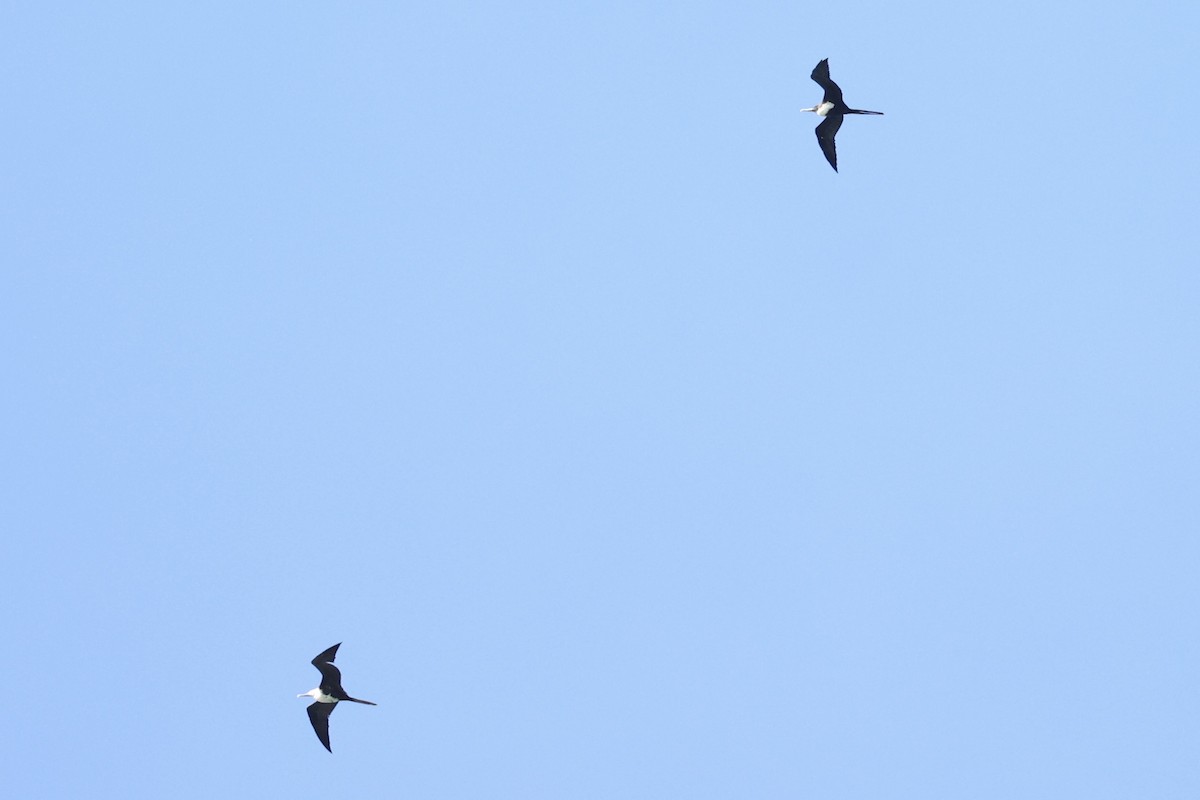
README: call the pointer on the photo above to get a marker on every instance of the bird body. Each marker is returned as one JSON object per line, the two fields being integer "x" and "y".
{"x": 327, "y": 695}
{"x": 833, "y": 108}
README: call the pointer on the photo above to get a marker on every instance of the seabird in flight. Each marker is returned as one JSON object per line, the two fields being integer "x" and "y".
{"x": 327, "y": 695}
{"x": 832, "y": 108}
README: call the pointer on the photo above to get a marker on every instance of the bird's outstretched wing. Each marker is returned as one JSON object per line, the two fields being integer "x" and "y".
{"x": 820, "y": 74}
{"x": 318, "y": 715}
{"x": 825, "y": 133}
{"x": 331, "y": 681}
{"x": 326, "y": 657}
{"x": 331, "y": 676}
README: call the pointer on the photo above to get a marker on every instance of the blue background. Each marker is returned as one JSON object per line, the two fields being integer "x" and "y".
{"x": 534, "y": 351}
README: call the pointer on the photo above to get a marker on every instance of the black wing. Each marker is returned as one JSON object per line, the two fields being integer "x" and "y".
{"x": 820, "y": 74}
{"x": 326, "y": 657}
{"x": 331, "y": 681}
{"x": 331, "y": 676}
{"x": 318, "y": 715}
{"x": 825, "y": 133}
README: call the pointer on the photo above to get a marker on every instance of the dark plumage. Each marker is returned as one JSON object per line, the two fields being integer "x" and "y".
{"x": 833, "y": 109}
{"x": 327, "y": 695}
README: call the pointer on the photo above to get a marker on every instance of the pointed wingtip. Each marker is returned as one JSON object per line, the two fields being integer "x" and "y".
{"x": 318, "y": 715}
{"x": 326, "y": 656}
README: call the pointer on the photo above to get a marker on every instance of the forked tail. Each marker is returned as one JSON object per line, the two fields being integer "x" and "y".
{"x": 364, "y": 702}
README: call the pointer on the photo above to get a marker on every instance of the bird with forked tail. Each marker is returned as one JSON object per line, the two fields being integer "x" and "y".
{"x": 327, "y": 695}
{"x": 833, "y": 109}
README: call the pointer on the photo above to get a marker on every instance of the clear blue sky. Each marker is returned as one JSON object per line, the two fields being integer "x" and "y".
{"x": 533, "y": 351}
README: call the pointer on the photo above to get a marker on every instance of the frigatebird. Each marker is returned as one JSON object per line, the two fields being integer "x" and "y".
{"x": 327, "y": 695}
{"x": 832, "y": 108}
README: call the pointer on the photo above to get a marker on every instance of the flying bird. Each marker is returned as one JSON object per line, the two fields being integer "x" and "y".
{"x": 327, "y": 695}
{"x": 832, "y": 108}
